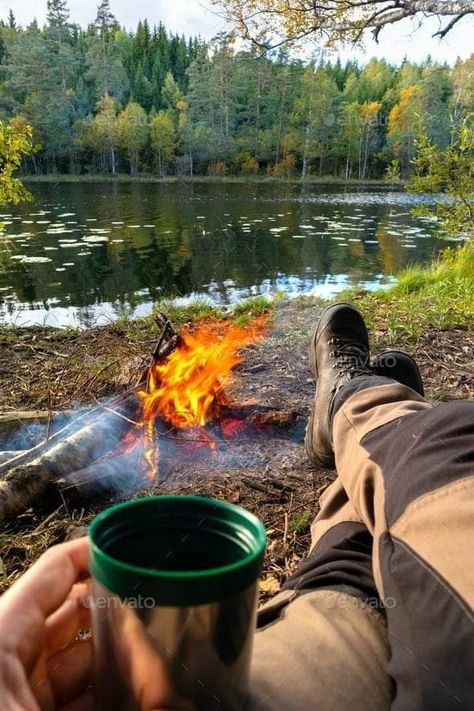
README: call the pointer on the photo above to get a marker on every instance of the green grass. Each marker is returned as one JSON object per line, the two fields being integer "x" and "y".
{"x": 440, "y": 295}
{"x": 302, "y": 521}
{"x": 199, "y": 310}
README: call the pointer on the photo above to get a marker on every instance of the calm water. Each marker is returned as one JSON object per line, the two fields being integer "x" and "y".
{"x": 87, "y": 253}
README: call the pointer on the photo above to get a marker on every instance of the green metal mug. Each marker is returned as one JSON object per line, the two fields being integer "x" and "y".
{"x": 174, "y": 602}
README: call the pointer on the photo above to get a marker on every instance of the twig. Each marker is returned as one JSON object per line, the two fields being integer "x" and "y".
{"x": 44, "y": 523}
{"x": 117, "y": 414}
{"x": 252, "y": 484}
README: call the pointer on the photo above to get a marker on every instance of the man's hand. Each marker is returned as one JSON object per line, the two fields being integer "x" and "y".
{"x": 42, "y": 664}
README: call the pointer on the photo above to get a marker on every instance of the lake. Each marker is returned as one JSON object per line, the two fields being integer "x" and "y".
{"x": 87, "y": 253}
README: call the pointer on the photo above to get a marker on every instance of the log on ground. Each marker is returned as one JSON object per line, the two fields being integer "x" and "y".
{"x": 122, "y": 475}
{"x": 26, "y": 483}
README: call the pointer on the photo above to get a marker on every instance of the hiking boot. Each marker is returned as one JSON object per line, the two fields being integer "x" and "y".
{"x": 338, "y": 353}
{"x": 401, "y": 367}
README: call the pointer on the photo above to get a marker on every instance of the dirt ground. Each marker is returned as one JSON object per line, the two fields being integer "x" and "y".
{"x": 266, "y": 472}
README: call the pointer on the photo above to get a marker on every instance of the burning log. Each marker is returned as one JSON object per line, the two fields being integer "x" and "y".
{"x": 79, "y": 450}
{"x": 179, "y": 397}
{"x": 28, "y": 454}
{"x": 25, "y": 483}
{"x": 169, "y": 340}
{"x": 122, "y": 473}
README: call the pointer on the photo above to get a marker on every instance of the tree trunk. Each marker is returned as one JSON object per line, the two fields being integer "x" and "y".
{"x": 307, "y": 139}
{"x": 348, "y": 167}
{"x": 321, "y": 160}
{"x": 257, "y": 114}
{"x": 280, "y": 123}
{"x": 366, "y": 155}
{"x": 112, "y": 156}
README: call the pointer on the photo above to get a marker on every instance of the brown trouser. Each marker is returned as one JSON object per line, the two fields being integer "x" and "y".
{"x": 380, "y": 614}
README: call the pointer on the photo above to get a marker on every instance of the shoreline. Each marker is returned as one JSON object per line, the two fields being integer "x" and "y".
{"x": 100, "y": 359}
{"x": 230, "y": 179}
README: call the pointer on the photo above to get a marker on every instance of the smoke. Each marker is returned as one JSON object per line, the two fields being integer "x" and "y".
{"x": 31, "y": 433}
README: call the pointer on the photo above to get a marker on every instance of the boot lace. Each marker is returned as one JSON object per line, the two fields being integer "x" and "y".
{"x": 351, "y": 359}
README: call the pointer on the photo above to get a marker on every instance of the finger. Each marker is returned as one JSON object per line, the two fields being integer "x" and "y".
{"x": 49, "y": 581}
{"x": 41, "y": 590}
{"x": 73, "y": 615}
{"x": 70, "y": 671}
{"x": 15, "y": 689}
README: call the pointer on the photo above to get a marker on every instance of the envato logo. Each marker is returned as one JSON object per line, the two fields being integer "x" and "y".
{"x": 102, "y": 602}
{"x": 345, "y": 602}
{"x": 355, "y": 120}
{"x": 135, "y": 120}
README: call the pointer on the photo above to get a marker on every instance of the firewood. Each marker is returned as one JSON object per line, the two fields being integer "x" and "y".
{"x": 82, "y": 419}
{"x": 169, "y": 340}
{"x": 261, "y": 415}
{"x": 122, "y": 474}
{"x": 16, "y": 418}
{"x": 7, "y": 456}
{"x": 26, "y": 483}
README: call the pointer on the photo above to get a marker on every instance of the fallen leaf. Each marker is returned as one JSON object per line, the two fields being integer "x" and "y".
{"x": 269, "y": 585}
{"x": 233, "y": 497}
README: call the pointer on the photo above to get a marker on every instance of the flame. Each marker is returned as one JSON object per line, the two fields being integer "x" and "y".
{"x": 187, "y": 390}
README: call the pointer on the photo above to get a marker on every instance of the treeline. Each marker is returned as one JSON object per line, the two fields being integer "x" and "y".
{"x": 103, "y": 100}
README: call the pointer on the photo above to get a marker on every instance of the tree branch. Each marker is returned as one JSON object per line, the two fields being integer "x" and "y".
{"x": 442, "y": 33}
{"x": 337, "y": 20}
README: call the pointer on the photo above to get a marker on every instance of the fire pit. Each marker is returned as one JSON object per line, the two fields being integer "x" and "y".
{"x": 178, "y": 411}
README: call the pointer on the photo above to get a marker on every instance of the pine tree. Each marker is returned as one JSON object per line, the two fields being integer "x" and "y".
{"x": 57, "y": 14}
{"x": 105, "y": 20}
{"x": 11, "y": 20}
{"x": 105, "y": 66}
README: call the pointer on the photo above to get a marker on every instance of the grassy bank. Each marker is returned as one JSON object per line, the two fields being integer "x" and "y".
{"x": 230, "y": 179}
{"x": 439, "y": 296}
{"x": 76, "y": 365}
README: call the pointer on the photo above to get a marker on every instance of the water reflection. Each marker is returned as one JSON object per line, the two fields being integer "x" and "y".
{"x": 85, "y": 253}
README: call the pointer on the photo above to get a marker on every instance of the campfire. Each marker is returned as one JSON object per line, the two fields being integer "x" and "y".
{"x": 178, "y": 407}
{"x": 185, "y": 391}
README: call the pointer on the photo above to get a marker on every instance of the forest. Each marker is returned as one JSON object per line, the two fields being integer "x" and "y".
{"x": 106, "y": 100}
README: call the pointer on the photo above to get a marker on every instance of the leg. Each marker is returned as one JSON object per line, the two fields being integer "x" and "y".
{"x": 408, "y": 469}
{"x": 322, "y": 642}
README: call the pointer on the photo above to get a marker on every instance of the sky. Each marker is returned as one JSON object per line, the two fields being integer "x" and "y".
{"x": 194, "y": 17}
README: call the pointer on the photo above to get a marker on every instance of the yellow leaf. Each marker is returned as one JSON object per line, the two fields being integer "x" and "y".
{"x": 269, "y": 585}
